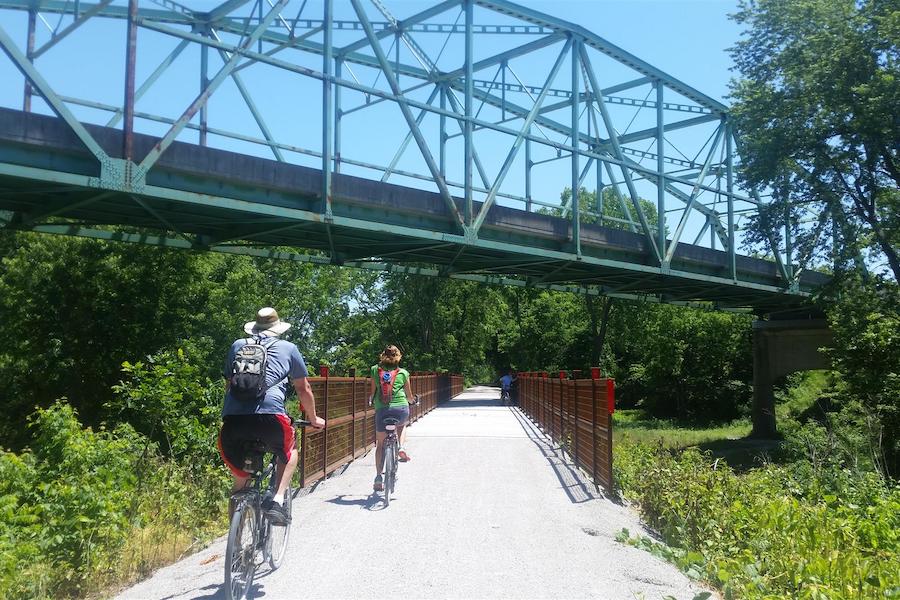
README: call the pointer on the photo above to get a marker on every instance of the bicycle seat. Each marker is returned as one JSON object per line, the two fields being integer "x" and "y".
{"x": 253, "y": 451}
{"x": 390, "y": 423}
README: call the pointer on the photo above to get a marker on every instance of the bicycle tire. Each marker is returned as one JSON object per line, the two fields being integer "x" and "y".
{"x": 390, "y": 468}
{"x": 277, "y": 536}
{"x": 240, "y": 552}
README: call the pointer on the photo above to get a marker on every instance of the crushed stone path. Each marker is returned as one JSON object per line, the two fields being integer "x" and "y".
{"x": 486, "y": 508}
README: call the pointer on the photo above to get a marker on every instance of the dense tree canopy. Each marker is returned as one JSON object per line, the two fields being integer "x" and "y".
{"x": 815, "y": 108}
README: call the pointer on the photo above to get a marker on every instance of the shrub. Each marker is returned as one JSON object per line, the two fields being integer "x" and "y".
{"x": 775, "y": 532}
{"x": 86, "y": 508}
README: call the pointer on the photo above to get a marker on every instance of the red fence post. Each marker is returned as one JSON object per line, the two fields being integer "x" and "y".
{"x": 611, "y": 396}
{"x": 611, "y": 407}
{"x": 574, "y": 404}
{"x": 353, "y": 413}
{"x": 595, "y": 375}
{"x": 323, "y": 372}
{"x": 562, "y": 391}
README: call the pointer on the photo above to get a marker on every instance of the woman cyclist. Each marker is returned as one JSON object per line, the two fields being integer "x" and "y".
{"x": 389, "y": 378}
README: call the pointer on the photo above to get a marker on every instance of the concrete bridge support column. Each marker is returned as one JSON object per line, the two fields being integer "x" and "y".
{"x": 780, "y": 348}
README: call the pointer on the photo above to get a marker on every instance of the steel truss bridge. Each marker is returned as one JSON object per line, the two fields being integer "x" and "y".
{"x": 434, "y": 143}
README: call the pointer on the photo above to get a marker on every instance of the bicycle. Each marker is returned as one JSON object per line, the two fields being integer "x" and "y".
{"x": 391, "y": 455}
{"x": 251, "y": 533}
{"x": 505, "y": 397}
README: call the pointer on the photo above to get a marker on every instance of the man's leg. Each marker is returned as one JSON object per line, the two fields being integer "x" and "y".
{"x": 284, "y": 472}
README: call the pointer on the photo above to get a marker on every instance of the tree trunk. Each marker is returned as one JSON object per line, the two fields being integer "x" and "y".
{"x": 598, "y": 326}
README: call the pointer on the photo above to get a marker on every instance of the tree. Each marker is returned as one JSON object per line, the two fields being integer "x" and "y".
{"x": 816, "y": 114}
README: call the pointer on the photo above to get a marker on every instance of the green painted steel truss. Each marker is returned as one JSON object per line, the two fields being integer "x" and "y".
{"x": 473, "y": 114}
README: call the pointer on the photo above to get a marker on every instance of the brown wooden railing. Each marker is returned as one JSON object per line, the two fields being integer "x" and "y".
{"x": 344, "y": 403}
{"x": 577, "y": 414}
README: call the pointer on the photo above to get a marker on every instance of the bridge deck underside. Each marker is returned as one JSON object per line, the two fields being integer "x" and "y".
{"x": 216, "y": 199}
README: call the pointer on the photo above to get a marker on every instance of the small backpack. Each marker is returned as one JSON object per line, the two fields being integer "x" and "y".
{"x": 248, "y": 371}
{"x": 386, "y": 379}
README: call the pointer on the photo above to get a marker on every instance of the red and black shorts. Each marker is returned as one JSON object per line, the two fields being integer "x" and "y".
{"x": 275, "y": 431}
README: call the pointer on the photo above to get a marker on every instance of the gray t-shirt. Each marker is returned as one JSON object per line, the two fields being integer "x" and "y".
{"x": 283, "y": 361}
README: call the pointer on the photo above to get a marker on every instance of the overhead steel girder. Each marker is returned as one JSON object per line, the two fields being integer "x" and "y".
{"x": 590, "y": 146}
{"x": 31, "y": 73}
{"x": 407, "y": 114}
{"x": 487, "y": 97}
{"x": 216, "y": 81}
{"x": 110, "y": 11}
{"x": 598, "y": 43}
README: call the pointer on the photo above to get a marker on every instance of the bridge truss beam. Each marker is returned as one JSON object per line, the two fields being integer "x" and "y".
{"x": 370, "y": 64}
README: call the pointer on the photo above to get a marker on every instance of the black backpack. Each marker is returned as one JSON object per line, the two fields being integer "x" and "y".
{"x": 248, "y": 371}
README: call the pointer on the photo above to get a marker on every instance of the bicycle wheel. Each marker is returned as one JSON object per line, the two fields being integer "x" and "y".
{"x": 390, "y": 469}
{"x": 277, "y": 536}
{"x": 240, "y": 552}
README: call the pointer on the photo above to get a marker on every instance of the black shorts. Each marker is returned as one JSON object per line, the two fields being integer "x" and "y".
{"x": 275, "y": 431}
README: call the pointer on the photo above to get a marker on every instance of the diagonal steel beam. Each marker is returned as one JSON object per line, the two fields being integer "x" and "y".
{"x": 257, "y": 116}
{"x": 409, "y": 136}
{"x": 201, "y": 100}
{"x": 400, "y": 26}
{"x": 517, "y": 144}
{"x": 407, "y": 114}
{"x": 221, "y": 11}
{"x": 27, "y": 69}
{"x": 160, "y": 69}
{"x": 626, "y": 173}
{"x": 676, "y": 236}
{"x": 58, "y": 37}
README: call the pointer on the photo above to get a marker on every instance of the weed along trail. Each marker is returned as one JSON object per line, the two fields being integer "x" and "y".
{"x": 486, "y": 508}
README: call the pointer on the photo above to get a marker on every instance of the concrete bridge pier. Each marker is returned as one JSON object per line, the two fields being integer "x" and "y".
{"x": 781, "y": 348}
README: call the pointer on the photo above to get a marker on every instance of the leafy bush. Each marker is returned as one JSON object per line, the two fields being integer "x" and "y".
{"x": 866, "y": 353}
{"x": 775, "y": 532}
{"x": 85, "y": 508}
{"x": 169, "y": 400}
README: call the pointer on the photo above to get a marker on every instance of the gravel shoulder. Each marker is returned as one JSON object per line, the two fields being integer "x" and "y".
{"x": 486, "y": 508}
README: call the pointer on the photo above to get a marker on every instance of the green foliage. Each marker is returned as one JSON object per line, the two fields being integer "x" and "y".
{"x": 86, "y": 306}
{"x": 772, "y": 533}
{"x": 866, "y": 354}
{"x": 65, "y": 500}
{"x": 815, "y": 107}
{"x": 168, "y": 400}
{"x": 617, "y": 212}
{"x": 686, "y": 363}
{"x": 72, "y": 509}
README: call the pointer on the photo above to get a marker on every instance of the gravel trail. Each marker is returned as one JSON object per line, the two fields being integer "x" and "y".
{"x": 486, "y": 508}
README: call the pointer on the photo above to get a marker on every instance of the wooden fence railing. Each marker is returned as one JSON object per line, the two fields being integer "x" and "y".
{"x": 577, "y": 414}
{"x": 344, "y": 403}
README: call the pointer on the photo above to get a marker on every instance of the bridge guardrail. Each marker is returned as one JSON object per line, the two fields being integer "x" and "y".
{"x": 344, "y": 403}
{"x": 577, "y": 414}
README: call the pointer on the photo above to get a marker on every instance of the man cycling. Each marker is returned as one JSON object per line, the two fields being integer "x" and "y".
{"x": 506, "y": 386}
{"x": 262, "y": 416}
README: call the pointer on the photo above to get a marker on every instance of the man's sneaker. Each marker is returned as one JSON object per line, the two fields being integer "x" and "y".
{"x": 278, "y": 514}
{"x": 378, "y": 486}
{"x": 403, "y": 456}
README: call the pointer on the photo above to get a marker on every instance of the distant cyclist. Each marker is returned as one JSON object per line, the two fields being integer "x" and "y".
{"x": 506, "y": 382}
{"x": 257, "y": 371}
{"x": 392, "y": 396}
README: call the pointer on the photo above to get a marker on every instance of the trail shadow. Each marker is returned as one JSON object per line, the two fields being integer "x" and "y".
{"x": 578, "y": 487}
{"x": 220, "y": 593}
{"x": 370, "y": 502}
{"x": 472, "y": 403}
